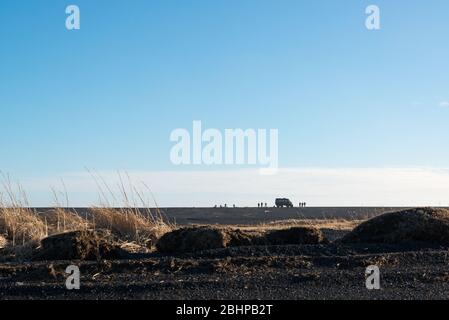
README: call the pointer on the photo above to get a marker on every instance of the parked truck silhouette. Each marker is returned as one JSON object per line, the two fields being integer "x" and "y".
{"x": 283, "y": 202}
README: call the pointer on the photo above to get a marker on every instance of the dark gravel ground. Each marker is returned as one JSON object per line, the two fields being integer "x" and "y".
{"x": 331, "y": 271}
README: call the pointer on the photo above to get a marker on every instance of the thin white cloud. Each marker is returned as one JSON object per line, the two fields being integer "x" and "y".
{"x": 316, "y": 186}
{"x": 444, "y": 104}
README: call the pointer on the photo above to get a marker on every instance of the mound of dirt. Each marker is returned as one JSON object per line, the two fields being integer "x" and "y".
{"x": 203, "y": 238}
{"x": 427, "y": 225}
{"x": 195, "y": 239}
{"x": 79, "y": 245}
{"x": 239, "y": 238}
{"x": 296, "y": 235}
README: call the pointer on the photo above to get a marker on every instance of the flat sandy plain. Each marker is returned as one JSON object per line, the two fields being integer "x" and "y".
{"x": 329, "y": 271}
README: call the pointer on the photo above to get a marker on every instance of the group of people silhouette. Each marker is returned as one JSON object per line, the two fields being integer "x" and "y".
{"x": 225, "y": 206}
{"x": 259, "y": 205}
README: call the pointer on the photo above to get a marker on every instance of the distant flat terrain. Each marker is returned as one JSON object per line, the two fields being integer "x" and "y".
{"x": 242, "y": 216}
{"x": 249, "y": 216}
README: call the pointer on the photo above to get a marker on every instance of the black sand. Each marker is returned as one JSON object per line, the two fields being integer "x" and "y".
{"x": 323, "y": 271}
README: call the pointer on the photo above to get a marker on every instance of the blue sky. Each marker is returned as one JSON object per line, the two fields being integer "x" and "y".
{"x": 107, "y": 96}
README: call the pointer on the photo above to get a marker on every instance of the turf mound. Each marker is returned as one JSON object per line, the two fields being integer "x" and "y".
{"x": 427, "y": 225}
{"x": 203, "y": 238}
{"x": 79, "y": 245}
{"x": 239, "y": 238}
{"x": 206, "y": 238}
{"x": 296, "y": 235}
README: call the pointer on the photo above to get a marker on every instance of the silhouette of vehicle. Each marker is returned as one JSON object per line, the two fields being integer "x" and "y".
{"x": 283, "y": 202}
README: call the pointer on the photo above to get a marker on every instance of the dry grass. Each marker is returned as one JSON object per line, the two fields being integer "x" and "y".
{"x": 60, "y": 219}
{"x": 23, "y": 228}
{"x": 18, "y": 223}
{"x": 129, "y": 224}
{"x": 3, "y": 242}
{"x": 63, "y": 220}
{"x": 21, "y": 225}
{"x": 335, "y": 224}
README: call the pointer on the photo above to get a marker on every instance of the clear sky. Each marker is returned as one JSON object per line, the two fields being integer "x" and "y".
{"x": 344, "y": 99}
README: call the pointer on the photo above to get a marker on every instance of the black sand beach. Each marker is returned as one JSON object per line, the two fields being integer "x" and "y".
{"x": 323, "y": 271}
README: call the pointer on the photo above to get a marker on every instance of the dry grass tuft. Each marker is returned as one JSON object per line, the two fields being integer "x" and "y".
{"x": 129, "y": 224}
{"x": 62, "y": 220}
{"x": 21, "y": 225}
{"x": 22, "y": 228}
{"x": 334, "y": 224}
{"x": 3, "y": 242}
{"x": 18, "y": 223}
